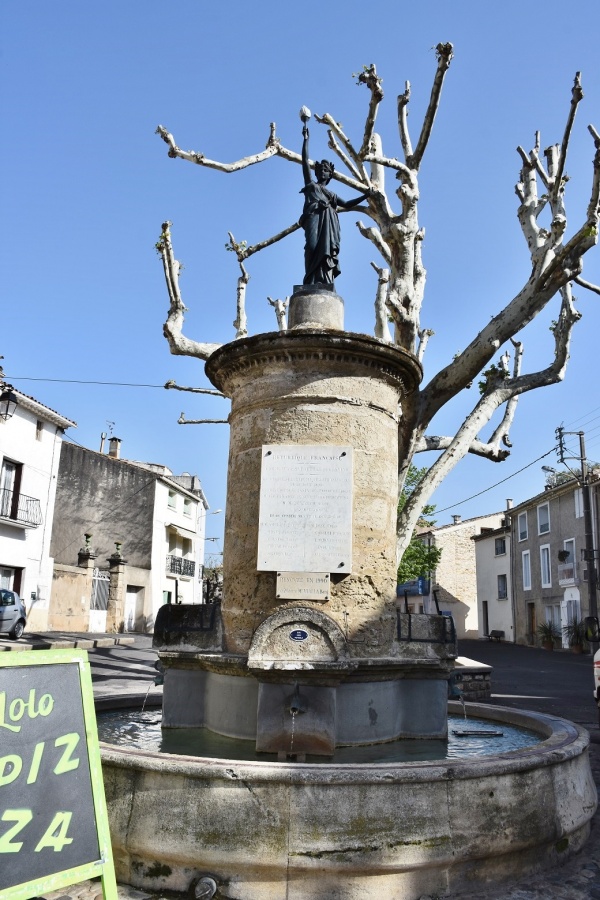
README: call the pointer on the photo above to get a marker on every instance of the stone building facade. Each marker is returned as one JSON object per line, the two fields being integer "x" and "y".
{"x": 550, "y": 576}
{"x": 455, "y": 578}
{"x": 136, "y": 522}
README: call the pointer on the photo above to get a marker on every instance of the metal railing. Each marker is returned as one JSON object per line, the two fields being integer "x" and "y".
{"x": 177, "y": 565}
{"x": 19, "y": 508}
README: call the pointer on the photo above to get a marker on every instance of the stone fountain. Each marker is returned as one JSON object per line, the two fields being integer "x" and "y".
{"x": 310, "y": 652}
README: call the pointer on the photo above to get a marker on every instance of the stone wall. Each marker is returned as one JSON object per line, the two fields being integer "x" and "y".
{"x": 71, "y": 593}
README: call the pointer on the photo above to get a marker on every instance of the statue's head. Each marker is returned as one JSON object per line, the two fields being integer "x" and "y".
{"x": 324, "y": 171}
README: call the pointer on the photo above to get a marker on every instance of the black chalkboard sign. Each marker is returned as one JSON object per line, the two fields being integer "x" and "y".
{"x": 53, "y": 820}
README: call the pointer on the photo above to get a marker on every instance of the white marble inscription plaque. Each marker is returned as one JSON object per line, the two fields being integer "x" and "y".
{"x": 305, "y": 520}
{"x": 302, "y": 586}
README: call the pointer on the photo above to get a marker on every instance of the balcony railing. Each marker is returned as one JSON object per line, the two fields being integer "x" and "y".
{"x": 567, "y": 573}
{"x": 177, "y": 565}
{"x": 19, "y": 508}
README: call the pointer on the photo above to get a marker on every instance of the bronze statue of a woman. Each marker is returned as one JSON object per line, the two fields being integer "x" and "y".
{"x": 320, "y": 219}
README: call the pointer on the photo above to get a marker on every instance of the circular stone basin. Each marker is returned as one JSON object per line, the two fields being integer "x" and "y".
{"x": 344, "y": 831}
{"x": 467, "y": 736}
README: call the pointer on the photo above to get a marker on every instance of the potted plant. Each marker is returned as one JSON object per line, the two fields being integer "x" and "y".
{"x": 548, "y": 633}
{"x": 575, "y": 632}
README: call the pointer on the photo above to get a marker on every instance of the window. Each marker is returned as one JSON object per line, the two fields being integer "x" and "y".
{"x": 570, "y": 550}
{"x": 187, "y": 506}
{"x": 545, "y": 565}
{"x": 578, "y": 497}
{"x": 522, "y": 526}
{"x": 39, "y": 430}
{"x": 543, "y": 516}
{"x": 172, "y": 500}
{"x": 500, "y": 547}
{"x": 526, "y": 563}
{"x": 502, "y": 587}
{"x": 10, "y": 486}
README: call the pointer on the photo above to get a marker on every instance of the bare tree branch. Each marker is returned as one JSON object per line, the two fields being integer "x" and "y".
{"x": 280, "y": 307}
{"x": 587, "y": 284}
{"x": 183, "y": 421}
{"x": 444, "y": 57}
{"x": 374, "y": 235}
{"x": 172, "y": 329}
{"x": 336, "y": 129}
{"x": 382, "y": 329}
{"x": 403, "y": 101}
{"x": 271, "y": 149}
{"x": 424, "y": 335}
{"x": 369, "y": 77}
{"x": 172, "y": 386}
{"x": 576, "y": 98}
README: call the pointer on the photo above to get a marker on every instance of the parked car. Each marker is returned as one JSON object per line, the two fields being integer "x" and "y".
{"x": 13, "y": 616}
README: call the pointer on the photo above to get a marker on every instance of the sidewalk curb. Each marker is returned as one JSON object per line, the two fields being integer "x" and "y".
{"x": 64, "y": 644}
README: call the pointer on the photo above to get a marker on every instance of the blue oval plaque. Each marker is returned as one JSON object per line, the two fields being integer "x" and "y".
{"x": 298, "y": 634}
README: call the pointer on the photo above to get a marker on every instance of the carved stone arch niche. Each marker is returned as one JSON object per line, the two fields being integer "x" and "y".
{"x": 296, "y": 634}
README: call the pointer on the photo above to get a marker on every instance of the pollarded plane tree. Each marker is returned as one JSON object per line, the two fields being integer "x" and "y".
{"x": 395, "y": 232}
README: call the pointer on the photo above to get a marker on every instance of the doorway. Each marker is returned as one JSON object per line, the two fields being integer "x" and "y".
{"x": 134, "y": 608}
{"x": 485, "y": 618}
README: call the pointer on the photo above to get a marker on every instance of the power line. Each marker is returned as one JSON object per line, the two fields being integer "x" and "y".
{"x": 498, "y": 483}
{"x": 79, "y": 381}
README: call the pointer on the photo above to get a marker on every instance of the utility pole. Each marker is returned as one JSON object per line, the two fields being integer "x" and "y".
{"x": 589, "y": 554}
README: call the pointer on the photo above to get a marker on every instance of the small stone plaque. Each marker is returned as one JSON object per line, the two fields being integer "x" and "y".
{"x": 302, "y": 586}
{"x": 305, "y": 519}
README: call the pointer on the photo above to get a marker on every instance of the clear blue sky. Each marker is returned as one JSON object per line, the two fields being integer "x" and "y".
{"x": 86, "y": 184}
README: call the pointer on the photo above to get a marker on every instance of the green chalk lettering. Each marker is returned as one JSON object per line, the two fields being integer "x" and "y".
{"x": 11, "y": 760}
{"x": 55, "y": 835}
{"x": 21, "y": 817}
{"x": 65, "y": 763}
{"x": 18, "y": 707}
{"x": 35, "y": 762}
{"x": 3, "y": 723}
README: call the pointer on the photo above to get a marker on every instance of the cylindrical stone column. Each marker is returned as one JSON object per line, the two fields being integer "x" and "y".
{"x": 315, "y": 388}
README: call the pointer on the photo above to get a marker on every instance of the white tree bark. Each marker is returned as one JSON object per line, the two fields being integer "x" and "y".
{"x": 172, "y": 329}
{"x": 394, "y": 230}
{"x": 280, "y": 307}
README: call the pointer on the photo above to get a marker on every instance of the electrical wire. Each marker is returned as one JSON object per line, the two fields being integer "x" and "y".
{"x": 80, "y": 381}
{"x": 498, "y": 483}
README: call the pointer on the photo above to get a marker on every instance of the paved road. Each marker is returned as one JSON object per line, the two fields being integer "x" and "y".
{"x": 559, "y": 683}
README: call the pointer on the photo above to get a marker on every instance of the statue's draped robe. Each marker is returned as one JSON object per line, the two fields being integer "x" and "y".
{"x": 322, "y": 230}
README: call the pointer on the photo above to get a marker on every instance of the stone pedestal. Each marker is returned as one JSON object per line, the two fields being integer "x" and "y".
{"x": 305, "y": 675}
{"x": 317, "y": 388}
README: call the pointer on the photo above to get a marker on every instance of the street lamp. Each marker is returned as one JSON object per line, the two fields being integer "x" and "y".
{"x": 8, "y": 402}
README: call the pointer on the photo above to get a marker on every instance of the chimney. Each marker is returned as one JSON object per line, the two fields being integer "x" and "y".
{"x": 509, "y": 503}
{"x": 114, "y": 448}
{"x": 456, "y": 520}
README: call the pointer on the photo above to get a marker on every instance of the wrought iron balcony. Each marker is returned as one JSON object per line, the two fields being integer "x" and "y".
{"x": 20, "y": 509}
{"x": 177, "y": 565}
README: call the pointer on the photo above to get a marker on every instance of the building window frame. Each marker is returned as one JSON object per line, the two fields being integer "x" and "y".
{"x": 545, "y": 567}
{"x": 543, "y": 519}
{"x": 502, "y": 587}
{"x": 522, "y": 526}
{"x": 526, "y": 569}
